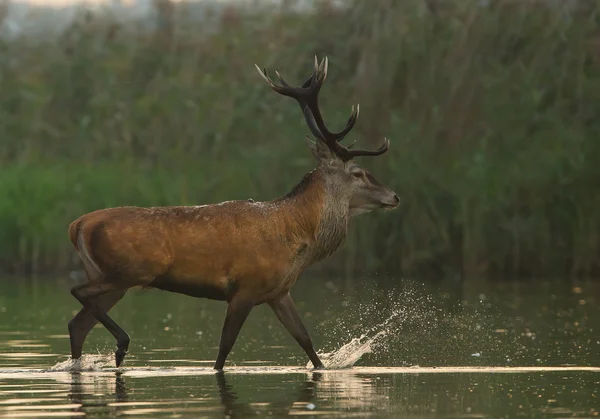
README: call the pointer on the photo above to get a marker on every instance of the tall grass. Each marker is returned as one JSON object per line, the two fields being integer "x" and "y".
{"x": 492, "y": 111}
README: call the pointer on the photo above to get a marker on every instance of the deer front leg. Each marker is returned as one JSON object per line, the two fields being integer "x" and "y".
{"x": 286, "y": 312}
{"x": 237, "y": 313}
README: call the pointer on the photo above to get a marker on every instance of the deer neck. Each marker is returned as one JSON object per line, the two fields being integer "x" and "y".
{"x": 319, "y": 212}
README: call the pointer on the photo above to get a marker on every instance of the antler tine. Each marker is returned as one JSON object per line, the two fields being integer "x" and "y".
{"x": 307, "y": 97}
{"x": 349, "y": 124}
{"x": 351, "y": 120}
{"x": 350, "y": 154}
{"x": 321, "y": 70}
{"x": 320, "y": 73}
{"x": 281, "y": 79}
{"x": 263, "y": 74}
{"x": 285, "y": 89}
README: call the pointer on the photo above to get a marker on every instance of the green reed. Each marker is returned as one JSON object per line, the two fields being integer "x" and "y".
{"x": 492, "y": 112}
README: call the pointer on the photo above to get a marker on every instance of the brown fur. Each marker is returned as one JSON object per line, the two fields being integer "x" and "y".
{"x": 222, "y": 250}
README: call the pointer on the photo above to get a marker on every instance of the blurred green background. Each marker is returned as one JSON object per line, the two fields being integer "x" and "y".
{"x": 492, "y": 110}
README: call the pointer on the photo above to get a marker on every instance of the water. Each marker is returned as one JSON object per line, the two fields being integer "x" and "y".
{"x": 406, "y": 350}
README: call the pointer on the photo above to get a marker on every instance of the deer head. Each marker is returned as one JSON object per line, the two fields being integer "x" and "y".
{"x": 353, "y": 184}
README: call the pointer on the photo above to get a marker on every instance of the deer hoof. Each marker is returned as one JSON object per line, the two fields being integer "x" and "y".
{"x": 119, "y": 356}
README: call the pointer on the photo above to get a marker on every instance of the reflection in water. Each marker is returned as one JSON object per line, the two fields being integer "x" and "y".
{"x": 260, "y": 392}
{"x": 175, "y": 339}
{"x": 107, "y": 394}
{"x": 234, "y": 408}
{"x": 83, "y": 387}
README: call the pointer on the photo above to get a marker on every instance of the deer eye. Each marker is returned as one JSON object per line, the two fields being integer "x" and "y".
{"x": 357, "y": 174}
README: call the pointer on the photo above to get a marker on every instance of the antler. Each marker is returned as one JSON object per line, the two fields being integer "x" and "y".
{"x": 307, "y": 97}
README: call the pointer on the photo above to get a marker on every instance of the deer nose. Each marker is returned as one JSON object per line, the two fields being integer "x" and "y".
{"x": 395, "y": 202}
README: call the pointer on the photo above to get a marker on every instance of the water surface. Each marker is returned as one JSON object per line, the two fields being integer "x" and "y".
{"x": 406, "y": 349}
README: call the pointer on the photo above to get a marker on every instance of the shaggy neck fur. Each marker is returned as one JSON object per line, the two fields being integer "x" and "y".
{"x": 319, "y": 214}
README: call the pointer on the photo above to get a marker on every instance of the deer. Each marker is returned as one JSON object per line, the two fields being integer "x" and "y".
{"x": 243, "y": 252}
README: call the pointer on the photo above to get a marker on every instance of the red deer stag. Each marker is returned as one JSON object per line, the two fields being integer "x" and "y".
{"x": 243, "y": 252}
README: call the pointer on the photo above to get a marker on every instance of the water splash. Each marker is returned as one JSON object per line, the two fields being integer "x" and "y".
{"x": 442, "y": 330}
{"x": 87, "y": 362}
{"x": 350, "y": 353}
{"x": 374, "y": 338}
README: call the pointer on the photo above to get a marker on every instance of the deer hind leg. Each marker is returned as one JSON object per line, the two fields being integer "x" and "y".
{"x": 84, "y": 321}
{"x": 87, "y": 294}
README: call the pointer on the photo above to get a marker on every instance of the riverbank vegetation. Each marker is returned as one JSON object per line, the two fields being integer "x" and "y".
{"x": 493, "y": 114}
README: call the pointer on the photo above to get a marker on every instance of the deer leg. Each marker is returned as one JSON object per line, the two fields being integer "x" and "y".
{"x": 286, "y": 312}
{"x": 86, "y": 294}
{"x": 237, "y": 313}
{"x": 83, "y": 322}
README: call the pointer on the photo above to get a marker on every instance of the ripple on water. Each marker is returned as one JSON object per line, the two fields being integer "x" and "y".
{"x": 26, "y": 343}
{"x": 173, "y": 380}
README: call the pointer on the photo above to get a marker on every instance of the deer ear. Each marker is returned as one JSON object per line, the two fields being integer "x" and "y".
{"x": 319, "y": 149}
